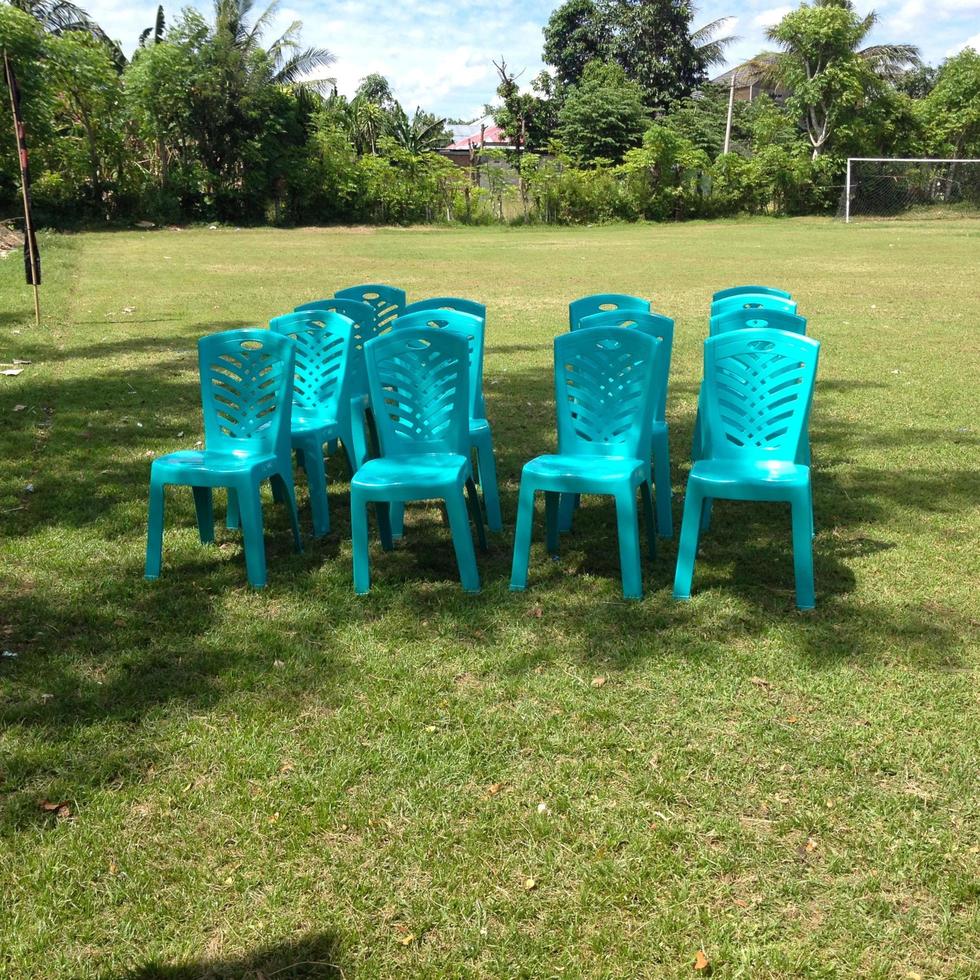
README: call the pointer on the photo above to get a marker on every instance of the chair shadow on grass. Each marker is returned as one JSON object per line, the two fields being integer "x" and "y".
{"x": 112, "y": 649}
{"x": 314, "y": 957}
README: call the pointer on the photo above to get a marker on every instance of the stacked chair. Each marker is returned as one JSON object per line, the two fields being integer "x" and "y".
{"x": 751, "y": 440}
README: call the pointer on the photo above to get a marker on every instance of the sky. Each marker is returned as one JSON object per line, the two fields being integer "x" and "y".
{"x": 438, "y": 53}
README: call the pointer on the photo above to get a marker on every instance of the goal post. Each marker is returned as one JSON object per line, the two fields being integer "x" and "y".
{"x": 890, "y": 187}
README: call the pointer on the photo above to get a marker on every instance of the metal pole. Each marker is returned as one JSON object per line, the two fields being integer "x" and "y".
{"x": 847, "y": 194}
{"x": 731, "y": 106}
{"x": 28, "y": 228}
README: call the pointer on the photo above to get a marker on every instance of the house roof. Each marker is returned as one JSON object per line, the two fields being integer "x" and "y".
{"x": 492, "y": 136}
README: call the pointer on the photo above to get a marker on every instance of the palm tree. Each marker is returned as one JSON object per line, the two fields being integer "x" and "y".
{"x": 710, "y": 47}
{"x": 809, "y": 62}
{"x": 420, "y": 134}
{"x": 59, "y": 16}
{"x": 290, "y": 64}
{"x": 154, "y": 33}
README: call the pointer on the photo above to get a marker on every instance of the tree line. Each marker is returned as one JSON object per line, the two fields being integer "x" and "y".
{"x": 211, "y": 120}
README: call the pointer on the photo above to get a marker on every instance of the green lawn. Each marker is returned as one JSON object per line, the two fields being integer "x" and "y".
{"x": 301, "y": 782}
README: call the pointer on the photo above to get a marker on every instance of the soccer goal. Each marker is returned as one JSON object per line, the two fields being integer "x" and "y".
{"x": 889, "y": 187}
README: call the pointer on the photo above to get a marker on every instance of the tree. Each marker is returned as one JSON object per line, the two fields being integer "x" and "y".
{"x": 831, "y": 77}
{"x": 59, "y": 16}
{"x": 603, "y": 116}
{"x": 951, "y": 111}
{"x": 376, "y": 89}
{"x": 155, "y": 33}
{"x": 653, "y": 43}
{"x": 577, "y": 32}
{"x": 421, "y": 134}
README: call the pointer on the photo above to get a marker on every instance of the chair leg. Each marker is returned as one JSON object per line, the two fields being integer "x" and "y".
{"x": 627, "y": 520}
{"x": 287, "y": 495}
{"x": 204, "y": 505}
{"x": 661, "y": 482}
{"x": 488, "y": 482}
{"x": 706, "y": 514}
{"x": 476, "y": 513}
{"x": 803, "y": 551}
{"x": 154, "y": 531}
{"x": 250, "y": 506}
{"x": 397, "y": 520}
{"x": 382, "y": 510}
{"x": 687, "y": 549}
{"x": 233, "y": 520}
{"x": 566, "y": 511}
{"x": 459, "y": 523}
{"x": 552, "y": 504}
{"x": 522, "y": 537}
{"x": 359, "y": 545}
{"x": 649, "y": 519}
{"x": 278, "y": 493}
{"x": 316, "y": 481}
{"x": 697, "y": 435}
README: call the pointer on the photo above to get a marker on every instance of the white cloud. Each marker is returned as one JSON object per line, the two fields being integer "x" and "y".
{"x": 970, "y": 42}
{"x": 767, "y": 18}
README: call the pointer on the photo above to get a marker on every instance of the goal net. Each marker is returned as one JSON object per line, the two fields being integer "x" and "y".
{"x": 926, "y": 188}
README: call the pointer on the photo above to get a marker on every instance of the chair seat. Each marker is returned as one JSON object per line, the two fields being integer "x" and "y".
{"x": 203, "y": 467}
{"x": 567, "y": 473}
{"x": 304, "y": 422}
{"x": 762, "y": 473}
{"x": 412, "y": 477}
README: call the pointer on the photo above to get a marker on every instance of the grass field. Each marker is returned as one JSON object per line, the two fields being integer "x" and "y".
{"x": 301, "y": 782}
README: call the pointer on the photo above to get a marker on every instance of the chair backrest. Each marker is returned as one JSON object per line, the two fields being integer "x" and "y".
{"x": 386, "y": 301}
{"x": 741, "y": 319}
{"x": 324, "y": 340}
{"x": 757, "y": 290}
{"x": 365, "y": 320}
{"x": 604, "y": 391}
{"x": 603, "y": 302}
{"x": 653, "y": 325}
{"x": 753, "y": 301}
{"x": 758, "y": 387}
{"x": 470, "y": 306}
{"x": 470, "y": 327}
{"x": 247, "y": 390}
{"x": 420, "y": 391}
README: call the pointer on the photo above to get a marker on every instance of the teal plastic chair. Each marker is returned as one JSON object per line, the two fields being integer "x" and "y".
{"x": 605, "y": 393}
{"x": 420, "y": 395}
{"x": 740, "y": 319}
{"x": 365, "y": 320}
{"x": 758, "y": 388}
{"x": 470, "y": 306}
{"x": 661, "y": 328}
{"x": 321, "y": 398}
{"x": 603, "y": 303}
{"x": 386, "y": 301}
{"x": 753, "y": 301}
{"x": 481, "y": 437}
{"x": 246, "y": 393}
{"x": 757, "y": 290}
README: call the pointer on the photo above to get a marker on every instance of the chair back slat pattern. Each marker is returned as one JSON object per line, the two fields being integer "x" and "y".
{"x": 386, "y": 301}
{"x": 757, "y": 393}
{"x": 604, "y": 391}
{"x": 470, "y": 306}
{"x": 740, "y": 319}
{"x": 602, "y": 303}
{"x": 246, "y": 390}
{"x": 419, "y": 386}
{"x": 323, "y": 345}
{"x": 653, "y": 325}
{"x": 365, "y": 320}
{"x": 470, "y": 327}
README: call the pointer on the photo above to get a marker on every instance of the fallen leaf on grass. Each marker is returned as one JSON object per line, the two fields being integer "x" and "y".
{"x": 19, "y": 408}
{"x": 274, "y": 818}
{"x": 12, "y": 372}
{"x": 536, "y": 613}
{"x": 792, "y": 720}
{"x": 530, "y": 884}
{"x": 701, "y": 963}
{"x": 407, "y": 940}
{"x": 62, "y": 809}
{"x": 495, "y": 788}
{"x": 113, "y": 868}
{"x": 760, "y": 682}
{"x": 598, "y": 681}
{"x": 543, "y": 808}
{"x": 810, "y": 846}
